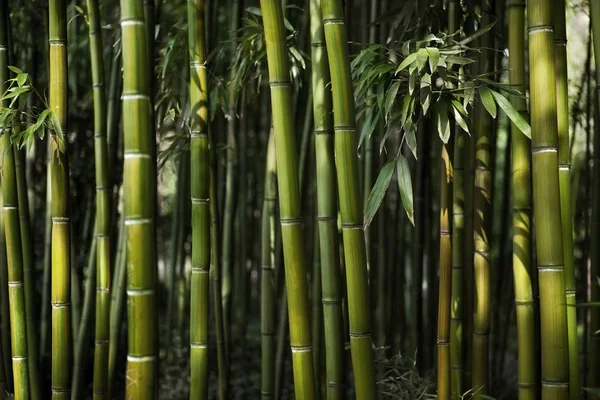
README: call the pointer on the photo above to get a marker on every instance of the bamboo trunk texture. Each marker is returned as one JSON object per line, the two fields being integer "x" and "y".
{"x": 139, "y": 193}
{"x": 289, "y": 199}
{"x": 593, "y": 361}
{"x": 546, "y": 202}
{"x": 482, "y": 218}
{"x": 200, "y": 187}
{"x": 5, "y": 311}
{"x": 103, "y": 207}
{"x": 62, "y": 342}
{"x": 564, "y": 176}
{"x": 267, "y": 287}
{"x": 345, "y": 146}
{"x": 521, "y": 210}
{"x": 331, "y": 284}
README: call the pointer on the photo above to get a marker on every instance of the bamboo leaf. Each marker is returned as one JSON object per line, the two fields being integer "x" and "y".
{"x": 21, "y": 79}
{"x": 390, "y": 98}
{"x": 457, "y": 60}
{"x": 254, "y": 10}
{"x": 425, "y": 92}
{"x": 434, "y": 58}
{"x": 481, "y": 31}
{"x": 371, "y": 120}
{"x": 405, "y": 187}
{"x": 443, "y": 124}
{"x": 15, "y": 69}
{"x": 378, "y": 192}
{"x": 407, "y": 61}
{"x": 412, "y": 82}
{"x": 421, "y": 58}
{"x": 515, "y": 116}
{"x": 485, "y": 94}
{"x": 411, "y": 138}
{"x": 459, "y": 118}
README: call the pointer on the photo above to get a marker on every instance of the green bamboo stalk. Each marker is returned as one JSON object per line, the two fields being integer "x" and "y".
{"x": 349, "y": 196}
{"x": 45, "y": 324}
{"x": 289, "y": 199}
{"x": 316, "y": 319}
{"x": 521, "y": 212}
{"x": 200, "y": 187}
{"x": 30, "y": 301}
{"x": 117, "y": 303}
{"x": 229, "y": 206}
{"x": 103, "y": 206}
{"x": 267, "y": 287}
{"x": 61, "y": 223}
{"x": 83, "y": 335}
{"x": 16, "y": 290}
{"x": 564, "y": 175}
{"x": 546, "y": 201}
{"x": 139, "y": 184}
{"x": 327, "y": 209}
{"x": 215, "y": 273}
{"x": 593, "y": 361}
{"x": 482, "y": 219}
{"x": 446, "y": 272}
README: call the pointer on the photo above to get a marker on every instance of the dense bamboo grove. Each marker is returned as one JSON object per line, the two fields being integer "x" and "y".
{"x": 317, "y": 199}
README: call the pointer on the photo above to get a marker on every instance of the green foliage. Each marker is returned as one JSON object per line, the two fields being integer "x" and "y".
{"x": 430, "y": 81}
{"x": 401, "y": 381}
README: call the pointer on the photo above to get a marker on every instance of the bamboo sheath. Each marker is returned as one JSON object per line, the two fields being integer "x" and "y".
{"x": 61, "y": 224}
{"x": 564, "y": 176}
{"x": 482, "y": 220}
{"x": 103, "y": 207}
{"x": 521, "y": 210}
{"x": 267, "y": 287}
{"x": 289, "y": 199}
{"x": 593, "y": 361}
{"x": 139, "y": 193}
{"x": 345, "y": 145}
{"x": 546, "y": 202}
{"x": 200, "y": 186}
{"x": 331, "y": 284}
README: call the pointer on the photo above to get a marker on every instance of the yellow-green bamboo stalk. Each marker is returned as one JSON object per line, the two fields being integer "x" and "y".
{"x": 289, "y": 199}
{"x": 445, "y": 278}
{"x": 200, "y": 186}
{"x": 5, "y": 310}
{"x": 267, "y": 287}
{"x": 346, "y": 141}
{"x": 331, "y": 279}
{"x": 139, "y": 193}
{"x": 546, "y": 202}
{"x": 482, "y": 219}
{"x": 103, "y": 207}
{"x": 521, "y": 209}
{"x": 61, "y": 222}
{"x": 564, "y": 175}
{"x": 593, "y": 361}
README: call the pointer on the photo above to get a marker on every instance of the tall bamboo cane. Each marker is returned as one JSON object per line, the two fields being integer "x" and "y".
{"x": 103, "y": 207}
{"x": 289, "y": 199}
{"x": 5, "y": 309}
{"x": 139, "y": 184}
{"x": 200, "y": 186}
{"x": 593, "y": 367}
{"x": 267, "y": 287}
{"x": 482, "y": 219}
{"x": 521, "y": 212}
{"x": 546, "y": 201}
{"x": 349, "y": 197}
{"x": 564, "y": 175}
{"x": 61, "y": 223}
{"x": 327, "y": 209}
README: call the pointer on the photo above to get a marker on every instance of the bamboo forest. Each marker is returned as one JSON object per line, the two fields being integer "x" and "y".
{"x": 300, "y": 199}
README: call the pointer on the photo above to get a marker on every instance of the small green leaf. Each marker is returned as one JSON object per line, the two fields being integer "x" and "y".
{"x": 254, "y": 10}
{"x": 477, "y": 33}
{"x": 411, "y": 138}
{"x": 421, "y": 58}
{"x": 485, "y": 94}
{"x": 390, "y": 98}
{"x": 459, "y": 118}
{"x": 405, "y": 187}
{"x": 434, "y": 58}
{"x": 378, "y": 192}
{"x": 21, "y": 79}
{"x": 407, "y": 61}
{"x": 459, "y": 60}
{"x": 443, "y": 124}
{"x": 516, "y": 117}
{"x": 15, "y": 69}
{"x": 425, "y": 92}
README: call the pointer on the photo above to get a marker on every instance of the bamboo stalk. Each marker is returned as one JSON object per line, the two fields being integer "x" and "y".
{"x": 482, "y": 220}
{"x": 546, "y": 202}
{"x": 139, "y": 184}
{"x": 345, "y": 146}
{"x": 267, "y": 287}
{"x": 521, "y": 211}
{"x": 289, "y": 199}
{"x": 200, "y": 186}
{"x": 61, "y": 223}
